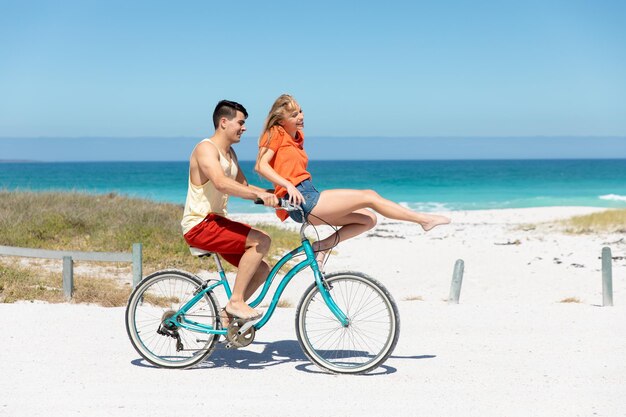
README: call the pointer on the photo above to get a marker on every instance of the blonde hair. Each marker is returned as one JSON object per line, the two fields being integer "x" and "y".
{"x": 283, "y": 105}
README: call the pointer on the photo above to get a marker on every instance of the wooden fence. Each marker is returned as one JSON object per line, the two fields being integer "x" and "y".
{"x": 70, "y": 256}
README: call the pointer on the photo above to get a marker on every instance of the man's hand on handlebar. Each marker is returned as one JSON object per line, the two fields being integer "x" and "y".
{"x": 282, "y": 203}
{"x": 267, "y": 199}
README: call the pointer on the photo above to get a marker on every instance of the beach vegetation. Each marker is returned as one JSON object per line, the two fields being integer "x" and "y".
{"x": 570, "y": 300}
{"x": 106, "y": 223}
{"x": 413, "y": 298}
{"x": 608, "y": 221}
{"x": 283, "y": 303}
{"x": 20, "y": 283}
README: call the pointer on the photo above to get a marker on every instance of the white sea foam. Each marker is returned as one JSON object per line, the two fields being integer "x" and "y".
{"x": 425, "y": 206}
{"x": 613, "y": 197}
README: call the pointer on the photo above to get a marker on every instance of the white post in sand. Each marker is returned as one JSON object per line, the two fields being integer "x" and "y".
{"x": 607, "y": 278}
{"x": 68, "y": 277}
{"x": 137, "y": 263}
{"x": 457, "y": 280}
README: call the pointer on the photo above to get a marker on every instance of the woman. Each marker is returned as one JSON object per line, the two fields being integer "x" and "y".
{"x": 283, "y": 161}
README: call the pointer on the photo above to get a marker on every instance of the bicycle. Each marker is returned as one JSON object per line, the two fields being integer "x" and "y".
{"x": 346, "y": 322}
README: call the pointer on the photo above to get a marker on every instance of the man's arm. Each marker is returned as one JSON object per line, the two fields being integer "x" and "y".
{"x": 241, "y": 178}
{"x": 207, "y": 158}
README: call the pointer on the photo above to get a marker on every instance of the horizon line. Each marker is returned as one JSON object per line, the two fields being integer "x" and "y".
{"x": 438, "y": 136}
{"x": 34, "y": 161}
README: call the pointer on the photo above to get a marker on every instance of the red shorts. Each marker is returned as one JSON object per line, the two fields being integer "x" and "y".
{"x": 220, "y": 235}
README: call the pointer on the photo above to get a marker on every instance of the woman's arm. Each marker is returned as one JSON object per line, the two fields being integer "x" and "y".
{"x": 264, "y": 168}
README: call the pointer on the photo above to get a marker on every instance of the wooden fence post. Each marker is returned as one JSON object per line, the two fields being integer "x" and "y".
{"x": 137, "y": 263}
{"x": 68, "y": 277}
{"x": 457, "y": 280}
{"x": 607, "y": 277}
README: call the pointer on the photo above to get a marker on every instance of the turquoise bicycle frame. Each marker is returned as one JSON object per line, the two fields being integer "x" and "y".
{"x": 180, "y": 320}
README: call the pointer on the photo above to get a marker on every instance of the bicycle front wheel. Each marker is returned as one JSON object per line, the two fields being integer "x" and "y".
{"x": 157, "y": 298}
{"x": 370, "y": 336}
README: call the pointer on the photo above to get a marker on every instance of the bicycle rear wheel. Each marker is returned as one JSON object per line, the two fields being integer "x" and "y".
{"x": 369, "y": 338}
{"x": 158, "y": 297}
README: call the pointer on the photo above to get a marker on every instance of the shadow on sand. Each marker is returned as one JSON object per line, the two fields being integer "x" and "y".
{"x": 273, "y": 353}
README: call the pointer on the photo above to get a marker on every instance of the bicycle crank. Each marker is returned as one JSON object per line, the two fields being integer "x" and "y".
{"x": 240, "y": 334}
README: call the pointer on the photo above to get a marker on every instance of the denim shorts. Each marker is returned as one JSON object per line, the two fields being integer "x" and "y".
{"x": 311, "y": 197}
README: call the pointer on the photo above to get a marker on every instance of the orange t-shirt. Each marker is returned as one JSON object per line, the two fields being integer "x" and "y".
{"x": 289, "y": 160}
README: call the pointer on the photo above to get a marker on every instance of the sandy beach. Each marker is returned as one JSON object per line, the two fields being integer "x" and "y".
{"x": 511, "y": 347}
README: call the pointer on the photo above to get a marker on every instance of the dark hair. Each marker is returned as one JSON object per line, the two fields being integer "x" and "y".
{"x": 227, "y": 109}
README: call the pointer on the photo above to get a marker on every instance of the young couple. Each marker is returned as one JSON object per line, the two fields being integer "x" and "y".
{"x": 214, "y": 174}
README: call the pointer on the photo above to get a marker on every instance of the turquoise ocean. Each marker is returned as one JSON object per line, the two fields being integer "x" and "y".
{"x": 421, "y": 185}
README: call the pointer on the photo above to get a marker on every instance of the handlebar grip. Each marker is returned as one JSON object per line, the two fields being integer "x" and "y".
{"x": 260, "y": 201}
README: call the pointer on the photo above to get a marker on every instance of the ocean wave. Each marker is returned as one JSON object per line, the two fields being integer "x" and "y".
{"x": 426, "y": 206}
{"x": 613, "y": 197}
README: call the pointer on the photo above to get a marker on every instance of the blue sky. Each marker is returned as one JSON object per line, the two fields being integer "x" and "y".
{"x": 474, "y": 69}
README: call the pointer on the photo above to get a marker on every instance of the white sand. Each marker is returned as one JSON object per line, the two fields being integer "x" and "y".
{"x": 510, "y": 348}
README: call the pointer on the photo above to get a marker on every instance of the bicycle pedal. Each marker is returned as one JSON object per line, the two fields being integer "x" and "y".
{"x": 246, "y": 326}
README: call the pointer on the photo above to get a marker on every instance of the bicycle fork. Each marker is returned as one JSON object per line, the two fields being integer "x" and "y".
{"x": 323, "y": 286}
{"x": 324, "y": 289}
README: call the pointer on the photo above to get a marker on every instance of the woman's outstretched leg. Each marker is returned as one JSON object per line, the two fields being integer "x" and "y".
{"x": 352, "y": 224}
{"x": 335, "y": 204}
{"x": 347, "y": 208}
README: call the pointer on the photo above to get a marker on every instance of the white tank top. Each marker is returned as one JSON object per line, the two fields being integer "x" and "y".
{"x": 204, "y": 199}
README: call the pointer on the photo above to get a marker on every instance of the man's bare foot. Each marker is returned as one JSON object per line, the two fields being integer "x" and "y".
{"x": 433, "y": 220}
{"x": 225, "y": 318}
{"x": 241, "y": 310}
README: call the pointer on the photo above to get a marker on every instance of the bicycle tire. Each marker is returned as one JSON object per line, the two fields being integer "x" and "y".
{"x": 366, "y": 342}
{"x": 158, "y": 295}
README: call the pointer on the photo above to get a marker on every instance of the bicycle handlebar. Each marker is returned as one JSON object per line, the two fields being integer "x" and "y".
{"x": 282, "y": 203}
{"x": 286, "y": 205}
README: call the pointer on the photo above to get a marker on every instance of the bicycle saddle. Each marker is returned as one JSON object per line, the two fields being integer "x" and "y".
{"x": 199, "y": 252}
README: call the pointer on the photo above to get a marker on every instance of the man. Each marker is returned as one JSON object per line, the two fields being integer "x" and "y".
{"x": 214, "y": 175}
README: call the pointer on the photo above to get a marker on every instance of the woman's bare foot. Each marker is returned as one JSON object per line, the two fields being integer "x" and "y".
{"x": 241, "y": 310}
{"x": 321, "y": 256}
{"x": 433, "y": 220}
{"x": 321, "y": 259}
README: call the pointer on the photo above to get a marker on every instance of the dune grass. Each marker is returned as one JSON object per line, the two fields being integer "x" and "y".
{"x": 569, "y": 300}
{"x": 98, "y": 223}
{"x": 29, "y": 284}
{"x": 609, "y": 221}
